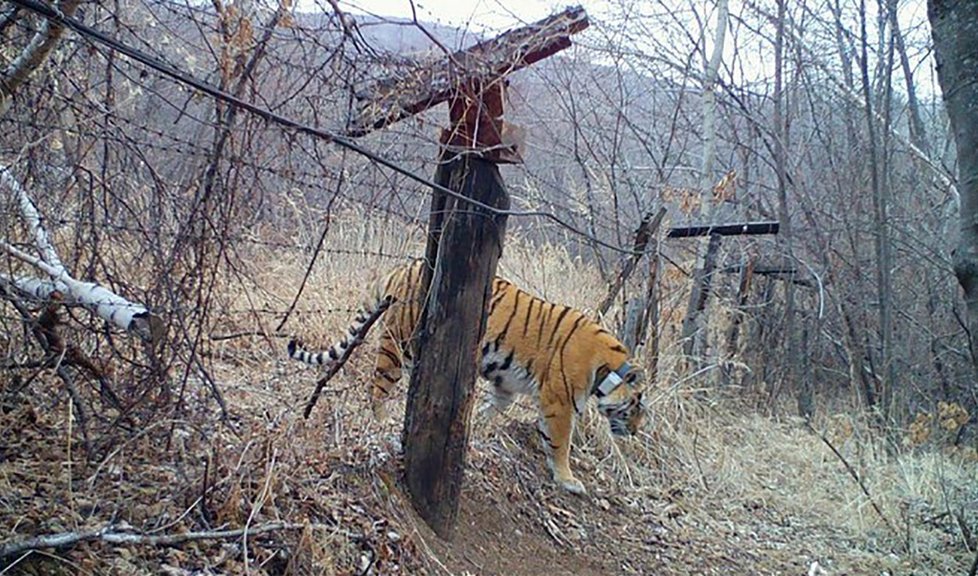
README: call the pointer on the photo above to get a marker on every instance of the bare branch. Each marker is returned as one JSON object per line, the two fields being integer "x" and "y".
{"x": 357, "y": 341}
{"x": 119, "y": 536}
{"x": 33, "y": 55}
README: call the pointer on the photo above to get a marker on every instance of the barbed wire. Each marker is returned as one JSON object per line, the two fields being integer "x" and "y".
{"x": 187, "y": 147}
{"x": 553, "y": 198}
{"x": 270, "y": 311}
{"x": 241, "y": 239}
{"x": 54, "y": 15}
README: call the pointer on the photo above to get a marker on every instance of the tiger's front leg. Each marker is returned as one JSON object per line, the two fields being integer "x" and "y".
{"x": 556, "y": 426}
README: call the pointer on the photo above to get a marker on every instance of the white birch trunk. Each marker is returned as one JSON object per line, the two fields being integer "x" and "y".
{"x": 693, "y": 329}
{"x": 35, "y": 288}
{"x": 31, "y": 217}
{"x": 105, "y": 303}
{"x": 710, "y": 74}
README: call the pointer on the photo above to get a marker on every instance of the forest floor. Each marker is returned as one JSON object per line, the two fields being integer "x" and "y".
{"x": 719, "y": 490}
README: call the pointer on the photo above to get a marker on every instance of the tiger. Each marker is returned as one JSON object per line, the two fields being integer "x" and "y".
{"x": 551, "y": 352}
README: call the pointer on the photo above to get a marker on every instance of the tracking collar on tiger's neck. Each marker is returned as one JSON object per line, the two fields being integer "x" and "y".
{"x": 611, "y": 381}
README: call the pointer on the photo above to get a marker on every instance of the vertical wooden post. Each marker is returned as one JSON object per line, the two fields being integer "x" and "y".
{"x": 651, "y": 324}
{"x": 806, "y": 392}
{"x": 743, "y": 291}
{"x": 646, "y": 231}
{"x": 631, "y": 328}
{"x": 692, "y": 331}
{"x": 641, "y": 315}
{"x": 466, "y": 243}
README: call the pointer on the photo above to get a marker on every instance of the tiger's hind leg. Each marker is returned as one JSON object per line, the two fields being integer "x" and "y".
{"x": 496, "y": 402}
{"x": 387, "y": 373}
{"x": 556, "y": 425}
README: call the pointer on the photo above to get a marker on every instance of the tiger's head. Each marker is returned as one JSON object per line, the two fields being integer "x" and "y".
{"x": 619, "y": 394}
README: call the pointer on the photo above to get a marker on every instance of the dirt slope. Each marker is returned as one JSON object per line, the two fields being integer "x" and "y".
{"x": 513, "y": 522}
{"x": 748, "y": 495}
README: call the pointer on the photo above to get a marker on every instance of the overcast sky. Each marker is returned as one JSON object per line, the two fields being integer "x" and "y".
{"x": 472, "y": 14}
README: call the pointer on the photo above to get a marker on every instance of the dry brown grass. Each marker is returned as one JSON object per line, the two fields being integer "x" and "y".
{"x": 708, "y": 485}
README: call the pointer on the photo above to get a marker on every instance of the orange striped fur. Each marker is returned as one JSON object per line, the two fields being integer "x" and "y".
{"x": 549, "y": 351}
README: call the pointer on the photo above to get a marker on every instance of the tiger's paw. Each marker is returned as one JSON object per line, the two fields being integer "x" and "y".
{"x": 380, "y": 412}
{"x": 486, "y": 414}
{"x": 572, "y": 485}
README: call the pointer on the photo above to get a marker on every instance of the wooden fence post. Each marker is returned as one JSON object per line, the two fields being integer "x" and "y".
{"x": 743, "y": 291}
{"x": 646, "y": 231}
{"x": 468, "y": 244}
{"x": 464, "y": 241}
{"x": 702, "y": 284}
{"x": 694, "y": 325}
{"x": 651, "y": 322}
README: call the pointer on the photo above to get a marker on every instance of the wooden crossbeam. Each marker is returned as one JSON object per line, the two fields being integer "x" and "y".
{"x": 391, "y": 99}
{"x": 742, "y": 229}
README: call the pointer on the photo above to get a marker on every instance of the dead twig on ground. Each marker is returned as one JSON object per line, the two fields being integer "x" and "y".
{"x": 119, "y": 536}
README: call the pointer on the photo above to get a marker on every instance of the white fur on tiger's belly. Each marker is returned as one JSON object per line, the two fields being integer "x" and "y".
{"x": 512, "y": 379}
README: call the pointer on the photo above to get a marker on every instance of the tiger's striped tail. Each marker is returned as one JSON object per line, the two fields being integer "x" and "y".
{"x": 366, "y": 316}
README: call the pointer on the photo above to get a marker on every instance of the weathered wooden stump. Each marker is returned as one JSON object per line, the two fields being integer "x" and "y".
{"x": 440, "y": 397}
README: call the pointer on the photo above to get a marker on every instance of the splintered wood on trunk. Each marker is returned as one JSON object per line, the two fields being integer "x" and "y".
{"x": 463, "y": 249}
{"x": 413, "y": 91}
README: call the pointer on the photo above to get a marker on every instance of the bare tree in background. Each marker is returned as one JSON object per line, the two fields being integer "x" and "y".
{"x": 149, "y": 190}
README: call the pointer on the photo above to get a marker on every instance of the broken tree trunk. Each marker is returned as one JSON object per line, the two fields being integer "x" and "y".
{"x": 645, "y": 232}
{"x": 468, "y": 246}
